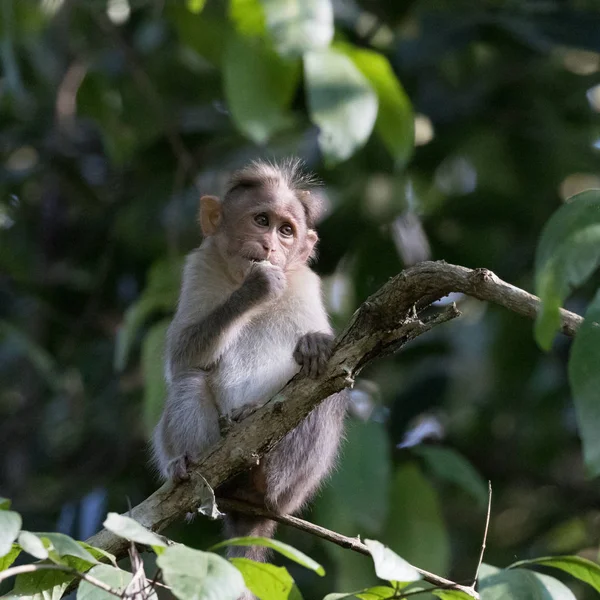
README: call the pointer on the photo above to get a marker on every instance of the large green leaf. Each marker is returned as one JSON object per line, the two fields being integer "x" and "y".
{"x": 153, "y": 355}
{"x": 395, "y": 120}
{"x": 42, "y": 585}
{"x": 266, "y": 581}
{"x": 285, "y": 549}
{"x": 449, "y": 465}
{"x": 584, "y": 376}
{"x": 567, "y": 254}
{"x": 389, "y": 566}
{"x": 33, "y": 544}
{"x": 341, "y": 103}
{"x": 117, "y": 579}
{"x": 299, "y": 26}
{"x": 10, "y": 557}
{"x": 375, "y": 593}
{"x": 10, "y": 525}
{"x": 415, "y": 528}
{"x": 65, "y": 546}
{"x": 579, "y": 567}
{"x": 196, "y": 575}
{"x": 130, "y": 529}
{"x": 522, "y": 584}
{"x": 259, "y": 86}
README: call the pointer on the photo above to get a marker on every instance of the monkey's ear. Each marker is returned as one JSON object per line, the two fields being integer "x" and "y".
{"x": 209, "y": 215}
{"x": 309, "y": 245}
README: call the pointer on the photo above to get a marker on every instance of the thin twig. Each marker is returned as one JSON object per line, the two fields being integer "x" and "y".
{"x": 14, "y": 571}
{"x": 334, "y": 537}
{"x": 485, "y": 534}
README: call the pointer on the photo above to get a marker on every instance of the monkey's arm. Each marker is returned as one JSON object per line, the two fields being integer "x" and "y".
{"x": 198, "y": 345}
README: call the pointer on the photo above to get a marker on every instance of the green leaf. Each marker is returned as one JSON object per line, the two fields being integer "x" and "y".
{"x": 10, "y": 525}
{"x": 153, "y": 352}
{"x": 259, "y": 86}
{"x": 42, "y": 585}
{"x": 33, "y": 545}
{"x": 285, "y": 549}
{"x": 341, "y": 103}
{"x": 447, "y": 464}
{"x": 395, "y": 120}
{"x": 415, "y": 529}
{"x": 266, "y": 581}
{"x": 299, "y": 26}
{"x": 389, "y": 566}
{"x": 584, "y": 377}
{"x": 99, "y": 553}
{"x": 9, "y": 558}
{"x": 63, "y": 545}
{"x": 196, "y": 575}
{"x": 248, "y": 17}
{"x": 523, "y": 584}
{"x": 195, "y": 6}
{"x": 374, "y": 593}
{"x": 581, "y": 568}
{"x": 450, "y": 594}
{"x": 160, "y": 294}
{"x": 568, "y": 253}
{"x": 115, "y": 578}
{"x": 4, "y": 503}
{"x": 131, "y": 530}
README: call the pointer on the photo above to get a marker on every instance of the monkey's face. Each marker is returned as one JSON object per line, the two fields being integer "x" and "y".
{"x": 265, "y": 224}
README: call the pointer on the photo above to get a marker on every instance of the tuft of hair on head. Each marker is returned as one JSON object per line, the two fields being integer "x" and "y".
{"x": 290, "y": 173}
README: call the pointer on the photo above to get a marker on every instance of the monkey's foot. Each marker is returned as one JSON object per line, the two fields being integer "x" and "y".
{"x": 312, "y": 352}
{"x": 178, "y": 469}
{"x": 225, "y": 424}
{"x": 245, "y": 411}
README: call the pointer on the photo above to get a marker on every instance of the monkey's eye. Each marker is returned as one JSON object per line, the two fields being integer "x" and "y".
{"x": 286, "y": 230}
{"x": 262, "y": 220}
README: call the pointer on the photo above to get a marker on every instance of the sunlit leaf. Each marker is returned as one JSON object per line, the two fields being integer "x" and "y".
{"x": 4, "y": 503}
{"x": 130, "y": 529}
{"x": 523, "y": 584}
{"x": 9, "y": 558}
{"x": 258, "y": 87}
{"x": 389, "y": 566}
{"x": 248, "y": 17}
{"x": 63, "y": 545}
{"x": 285, "y": 549}
{"x": 395, "y": 119}
{"x": 42, "y": 585}
{"x": 578, "y": 567}
{"x": 415, "y": 529}
{"x": 32, "y": 544}
{"x": 10, "y": 525}
{"x": 584, "y": 377}
{"x": 195, "y": 6}
{"x": 450, "y": 594}
{"x": 117, "y": 579}
{"x": 99, "y": 553}
{"x": 568, "y": 252}
{"x": 341, "y": 103}
{"x": 449, "y": 465}
{"x": 299, "y": 26}
{"x": 267, "y": 581}
{"x": 196, "y": 575}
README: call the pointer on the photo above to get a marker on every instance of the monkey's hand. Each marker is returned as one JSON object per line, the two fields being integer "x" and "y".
{"x": 312, "y": 352}
{"x": 265, "y": 281}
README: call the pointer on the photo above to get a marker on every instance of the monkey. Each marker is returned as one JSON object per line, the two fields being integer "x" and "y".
{"x": 250, "y": 316}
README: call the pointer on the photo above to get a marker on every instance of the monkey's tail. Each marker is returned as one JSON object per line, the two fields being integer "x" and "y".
{"x": 238, "y": 525}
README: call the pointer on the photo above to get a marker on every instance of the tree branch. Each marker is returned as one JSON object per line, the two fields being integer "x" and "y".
{"x": 383, "y": 324}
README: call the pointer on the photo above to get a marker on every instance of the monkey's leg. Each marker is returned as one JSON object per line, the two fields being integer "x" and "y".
{"x": 188, "y": 426}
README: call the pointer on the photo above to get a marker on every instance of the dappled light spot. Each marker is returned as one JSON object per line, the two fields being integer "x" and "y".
{"x": 580, "y": 62}
{"x": 424, "y": 131}
{"x": 118, "y": 11}
{"x": 22, "y": 159}
{"x": 456, "y": 176}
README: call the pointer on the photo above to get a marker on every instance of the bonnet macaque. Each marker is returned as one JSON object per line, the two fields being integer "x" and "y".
{"x": 250, "y": 316}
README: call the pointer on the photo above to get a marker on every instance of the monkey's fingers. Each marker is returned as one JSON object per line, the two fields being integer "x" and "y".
{"x": 179, "y": 469}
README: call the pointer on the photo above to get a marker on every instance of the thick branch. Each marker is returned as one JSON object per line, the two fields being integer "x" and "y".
{"x": 383, "y": 324}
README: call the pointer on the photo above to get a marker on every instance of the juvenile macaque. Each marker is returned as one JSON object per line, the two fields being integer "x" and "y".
{"x": 250, "y": 316}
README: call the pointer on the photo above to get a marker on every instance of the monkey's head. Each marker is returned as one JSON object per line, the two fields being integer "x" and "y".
{"x": 268, "y": 213}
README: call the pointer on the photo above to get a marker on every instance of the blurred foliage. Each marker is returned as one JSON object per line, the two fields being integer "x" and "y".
{"x": 115, "y": 115}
